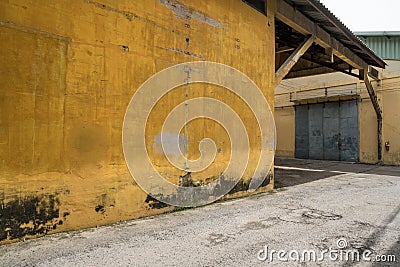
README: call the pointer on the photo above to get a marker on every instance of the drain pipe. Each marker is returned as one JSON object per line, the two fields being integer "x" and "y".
{"x": 377, "y": 109}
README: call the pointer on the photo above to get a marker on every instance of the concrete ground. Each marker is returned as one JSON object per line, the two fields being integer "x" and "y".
{"x": 318, "y": 207}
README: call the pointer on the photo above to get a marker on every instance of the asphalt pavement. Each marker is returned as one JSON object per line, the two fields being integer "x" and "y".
{"x": 320, "y": 214}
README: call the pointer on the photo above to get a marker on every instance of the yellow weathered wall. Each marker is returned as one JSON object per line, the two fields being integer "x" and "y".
{"x": 368, "y": 132}
{"x": 69, "y": 70}
{"x": 391, "y": 119}
{"x": 285, "y": 127}
{"x": 388, "y": 92}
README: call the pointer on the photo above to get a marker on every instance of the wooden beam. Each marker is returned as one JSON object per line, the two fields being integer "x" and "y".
{"x": 329, "y": 52}
{"x": 377, "y": 109}
{"x": 372, "y": 94}
{"x": 293, "y": 59}
{"x": 309, "y": 72}
{"x": 284, "y": 49}
{"x": 333, "y": 67}
{"x": 298, "y": 21}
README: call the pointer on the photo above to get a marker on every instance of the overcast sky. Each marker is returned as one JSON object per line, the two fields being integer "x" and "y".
{"x": 367, "y": 15}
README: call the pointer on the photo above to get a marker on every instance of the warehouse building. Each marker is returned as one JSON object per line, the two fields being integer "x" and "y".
{"x": 70, "y": 68}
{"x": 331, "y": 117}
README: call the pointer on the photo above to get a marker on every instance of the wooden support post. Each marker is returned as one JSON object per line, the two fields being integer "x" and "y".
{"x": 329, "y": 52}
{"x": 380, "y": 157}
{"x": 377, "y": 108}
{"x": 293, "y": 59}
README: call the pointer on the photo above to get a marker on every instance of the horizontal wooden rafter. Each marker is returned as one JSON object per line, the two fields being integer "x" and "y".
{"x": 334, "y": 67}
{"x": 308, "y": 72}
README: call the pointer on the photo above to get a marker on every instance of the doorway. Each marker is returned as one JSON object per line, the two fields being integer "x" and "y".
{"x": 327, "y": 131}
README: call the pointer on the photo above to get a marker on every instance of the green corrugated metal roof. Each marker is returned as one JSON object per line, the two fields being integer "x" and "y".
{"x": 384, "y": 44}
{"x": 381, "y": 33}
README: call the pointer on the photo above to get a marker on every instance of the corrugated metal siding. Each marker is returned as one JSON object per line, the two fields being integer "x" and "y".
{"x": 385, "y": 47}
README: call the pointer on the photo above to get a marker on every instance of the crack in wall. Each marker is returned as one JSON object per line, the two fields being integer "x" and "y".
{"x": 186, "y": 53}
{"x": 184, "y": 12}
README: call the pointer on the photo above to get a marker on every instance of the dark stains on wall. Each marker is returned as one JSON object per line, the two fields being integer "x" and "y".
{"x": 29, "y": 216}
{"x": 186, "y": 180}
{"x": 100, "y": 208}
{"x": 104, "y": 201}
{"x": 154, "y": 203}
{"x": 242, "y": 186}
{"x": 230, "y": 186}
{"x": 224, "y": 185}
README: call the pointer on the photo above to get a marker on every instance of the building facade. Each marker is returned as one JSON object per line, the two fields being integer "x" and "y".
{"x": 331, "y": 117}
{"x": 70, "y": 68}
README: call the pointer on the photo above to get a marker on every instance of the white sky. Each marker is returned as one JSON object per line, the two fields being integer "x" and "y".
{"x": 367, "y": 15}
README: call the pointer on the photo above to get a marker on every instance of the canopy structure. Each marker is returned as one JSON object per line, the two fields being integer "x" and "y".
{"x": 332, "y": 46}
{"x": 310, "y": 40}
